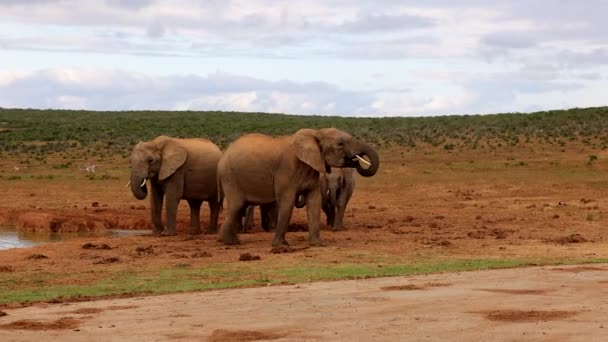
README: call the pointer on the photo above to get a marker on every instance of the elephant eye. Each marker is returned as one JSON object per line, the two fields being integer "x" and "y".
{"x": 340, "y": 144}
{"x": 150, "y": 160}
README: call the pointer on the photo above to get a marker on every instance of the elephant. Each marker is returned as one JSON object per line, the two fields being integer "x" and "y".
{"x": 259, "y": 169}
{"x": 336, "y": 189}
{"x": 268, "y": 214}
{"x": 177, "y": 169}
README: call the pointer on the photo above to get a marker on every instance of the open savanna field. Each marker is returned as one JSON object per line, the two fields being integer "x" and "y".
{"x": 452, "y": 194}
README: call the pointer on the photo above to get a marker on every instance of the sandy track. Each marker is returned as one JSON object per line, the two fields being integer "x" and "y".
{"x": 567, "y": 303}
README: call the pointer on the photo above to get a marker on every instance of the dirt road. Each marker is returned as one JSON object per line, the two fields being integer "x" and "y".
{"x": 566, "y": 303}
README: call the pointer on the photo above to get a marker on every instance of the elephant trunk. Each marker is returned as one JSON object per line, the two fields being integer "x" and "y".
{"x": 362, "y": 149}
{"x": 140, "y": 192}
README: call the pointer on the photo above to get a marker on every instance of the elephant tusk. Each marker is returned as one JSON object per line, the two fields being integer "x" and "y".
{"x": 126, "y": 186}
{"x": 143, "y": 183}
{"x": 363, "y": 160}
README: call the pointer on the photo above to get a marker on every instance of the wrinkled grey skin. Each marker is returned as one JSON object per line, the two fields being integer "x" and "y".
{"x": 259, "y": 169}
{"x": 177, "y": 169}
{"x": 336, "y": 189}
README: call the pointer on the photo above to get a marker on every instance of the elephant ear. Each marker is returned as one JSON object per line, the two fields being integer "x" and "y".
{"x": 306, "y": 144}
{"x": 173, "y": 157}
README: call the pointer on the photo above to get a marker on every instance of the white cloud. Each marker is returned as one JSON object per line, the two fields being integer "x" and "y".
{"x": 460, "y": 56}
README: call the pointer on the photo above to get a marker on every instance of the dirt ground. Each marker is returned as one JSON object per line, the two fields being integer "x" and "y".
{"x": 565, "y": 303}
{"x": 533, "y": 203}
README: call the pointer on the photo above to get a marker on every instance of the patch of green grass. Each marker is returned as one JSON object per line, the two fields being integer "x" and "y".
{"x": 182, "y": 278}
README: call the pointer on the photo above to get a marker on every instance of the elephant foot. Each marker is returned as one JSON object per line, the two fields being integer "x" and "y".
{"x": 317, "y": 242}
{"x": 156, "y": 231}
{"x": 230, "y": 240}
{"x": 279, "y": 242}
{"x": 211, "y": 231}
{"x": 168, "y": 233}
{"x": 337, "y": 228}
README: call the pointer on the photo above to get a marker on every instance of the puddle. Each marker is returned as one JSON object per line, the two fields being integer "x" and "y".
{"x": 11, "y": 238}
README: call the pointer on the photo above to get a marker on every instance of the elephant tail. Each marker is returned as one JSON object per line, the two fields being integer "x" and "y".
{"x": 220, "y": 193}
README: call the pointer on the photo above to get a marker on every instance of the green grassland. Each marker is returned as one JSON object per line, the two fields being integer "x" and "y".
{"x": 28, "y": 288}
{"x": 93, "y": 133}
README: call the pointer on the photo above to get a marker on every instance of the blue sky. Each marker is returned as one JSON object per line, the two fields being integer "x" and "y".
{"x": 330, "y": 57}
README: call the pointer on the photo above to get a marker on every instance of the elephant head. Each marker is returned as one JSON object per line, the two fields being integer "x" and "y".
{"x": 157, "y": 159}
{"x": 329, "y": 147}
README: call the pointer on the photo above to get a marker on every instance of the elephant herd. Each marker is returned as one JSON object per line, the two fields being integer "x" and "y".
{"x": 312, "y": 168}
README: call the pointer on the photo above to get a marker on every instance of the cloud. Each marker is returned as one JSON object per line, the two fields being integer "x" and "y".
{"x": 123, "y": 90}
{"x": 509, "y": 40}
{"x": 370, "y": 23}
{"x": 386, "y": 57}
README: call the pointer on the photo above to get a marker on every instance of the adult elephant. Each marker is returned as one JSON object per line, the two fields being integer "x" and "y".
{"x": 258, "y": 169}
{"x": 177, "y": 169}
{"x": 336, "y": 190}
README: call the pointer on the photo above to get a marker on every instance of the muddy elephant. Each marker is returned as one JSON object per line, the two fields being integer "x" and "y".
{"x": 177, "y": 169}
{"x": 336, "y": 190}
{"x": 259, "y": 169}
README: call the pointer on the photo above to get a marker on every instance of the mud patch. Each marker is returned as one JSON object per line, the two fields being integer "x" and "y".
{"x": 413, "y": 287}
{"x": 121, "y": 307}
{"x": 36, "y": 257}
{"x": 89, "y": 245}
{"x": 579, "y": 269}
{"x": 6, "y": 269}
{"x": 515, "y": 291}
{"x": 248, "y": 257}
{"x": 572, "y": 238}
{"x": 527, "y": 315}
{"x": 86, "y": 311}
{"x": 62, "y": 323}
{"x": 286, "y": 249}
{"x": 203, "y": 254}
{"x": 141, "y": 250}
{"x": 243, "y": 335}
{"x": 110, "y": 260}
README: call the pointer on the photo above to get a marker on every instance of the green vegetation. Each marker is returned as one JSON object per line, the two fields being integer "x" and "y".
{"x": 46, "y": 286}
{"x": 37, "y": 132}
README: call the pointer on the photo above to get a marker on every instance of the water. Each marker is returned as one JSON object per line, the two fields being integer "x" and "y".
{"x": 11, "y": 238}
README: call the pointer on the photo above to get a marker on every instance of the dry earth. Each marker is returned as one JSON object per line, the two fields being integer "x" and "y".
{"x": 568, "y": 303}
{"x": 530, "y": 203}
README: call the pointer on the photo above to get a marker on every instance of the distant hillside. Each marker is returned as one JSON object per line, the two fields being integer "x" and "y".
{"x": 21, "y": 130}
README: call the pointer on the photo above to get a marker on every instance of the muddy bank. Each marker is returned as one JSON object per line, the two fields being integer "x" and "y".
{"x": 74, "y": 220}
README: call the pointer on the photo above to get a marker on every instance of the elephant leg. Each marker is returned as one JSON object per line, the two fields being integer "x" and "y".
{"x": 173, "y": 194}
{"x": 171, "y": 214}
{"x": 344, "y": 196}
{"x": 274, "y": 212}
{"x": 214, "y": 211}
{"x": 248, "y": 222}
{"x": 313, "y": 212}
{"x": 195, "y": 216}
{"x": 285, "y": 209}
{"x": 340, "y": 208}
{"x": 268, "y": 214}
{"x": 233, "y": 221}
{"x": 156, "y": 204}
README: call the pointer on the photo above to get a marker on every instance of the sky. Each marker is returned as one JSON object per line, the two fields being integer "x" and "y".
{"x": 321, "y": 57}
